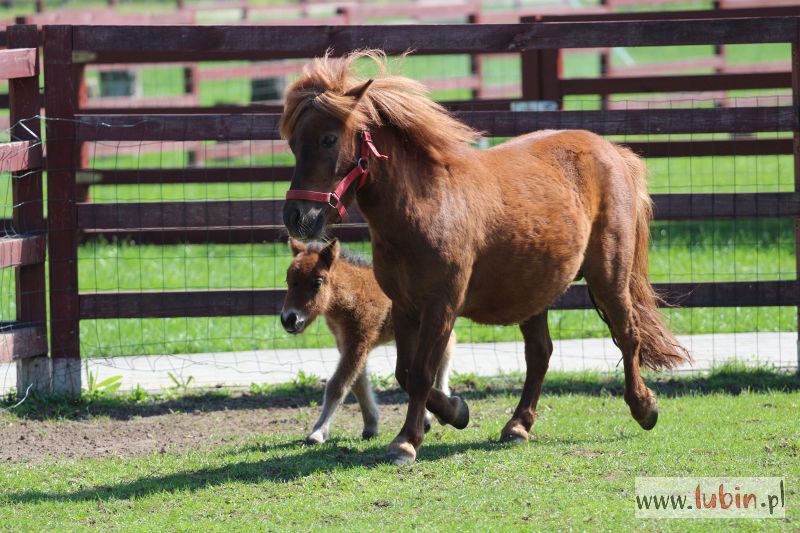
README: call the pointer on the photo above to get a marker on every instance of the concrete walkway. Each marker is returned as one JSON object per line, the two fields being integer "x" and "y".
{"x": 278, "y": 366}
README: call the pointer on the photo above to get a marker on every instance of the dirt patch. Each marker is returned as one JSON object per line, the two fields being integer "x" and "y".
{"x": 131, "y": 432}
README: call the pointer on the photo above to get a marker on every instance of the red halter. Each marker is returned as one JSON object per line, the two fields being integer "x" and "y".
{"x": 334, "y": 199}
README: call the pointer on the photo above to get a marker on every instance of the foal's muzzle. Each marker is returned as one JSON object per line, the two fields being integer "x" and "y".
{"x": 305, "y": 220}
{"x": 292, "y": 322}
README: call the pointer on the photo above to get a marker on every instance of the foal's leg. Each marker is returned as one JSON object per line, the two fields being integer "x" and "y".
{"x": 369, "y": 407}
{"x": 607, "y": 272}
{"x": 538, "y": 348}
{"x": 351, "y": 363}
{"x": 436, "y": 325}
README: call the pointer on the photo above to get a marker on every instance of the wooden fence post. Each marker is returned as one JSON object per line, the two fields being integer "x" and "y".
{"x": 26, "y": 187}
{"x": 796, "y": 152}
{"x": 541, "y": 71}
{"x": 63, "y": 155}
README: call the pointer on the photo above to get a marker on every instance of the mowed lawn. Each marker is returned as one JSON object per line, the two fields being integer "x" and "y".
{"x": 577, "y": 474}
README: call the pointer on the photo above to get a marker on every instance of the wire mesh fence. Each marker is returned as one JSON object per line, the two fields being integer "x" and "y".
{"x": 132, "y": 241}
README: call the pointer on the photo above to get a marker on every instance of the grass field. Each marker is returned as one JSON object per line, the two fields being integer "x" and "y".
{"x": 578, "y": 473}
{"x": 699, "y": 251}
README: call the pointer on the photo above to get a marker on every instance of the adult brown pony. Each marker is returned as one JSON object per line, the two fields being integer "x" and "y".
{"x": 494, "y": 235}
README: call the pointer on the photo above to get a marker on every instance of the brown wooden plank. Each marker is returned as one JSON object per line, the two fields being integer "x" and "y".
{"x": 178, "y": 43}
{"x": 62, "y": 159}
{"x": 277, "y": 233}
{"x": 684, "y": 83}
{"x": 19, "y": 251}
{"x": 721, "y": 294}
{"x": 744, "y": 12}
{"x": 249, "y": 302}
{"x": 17, "y": 63}
{"x": 20, "y": 155}
{"x": 734, "y": 147}
{"x": 726, "y": 206}
{"x": 222, "y": 127}
{"x": 637, "y": 121}
{"x": 486, "y": 104}
{"x": 262, "y": 214}
{"x": 185, "y": 175}
{"x": 20, "y": 343}
{"x": 170, "y": 304}
{"x": 219, "y": 214}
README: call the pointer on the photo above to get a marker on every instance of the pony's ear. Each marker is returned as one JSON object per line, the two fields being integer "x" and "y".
{"x": 358, "y": 91}
{"x": 296, "y": 246}
{"x": 329, "y": 254}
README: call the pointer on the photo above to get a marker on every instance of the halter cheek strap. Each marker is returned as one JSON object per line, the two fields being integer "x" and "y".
{"x": 334, "y": 199}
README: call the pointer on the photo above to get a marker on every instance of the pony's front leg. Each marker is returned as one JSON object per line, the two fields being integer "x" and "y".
{"x": 436, "y": 325}
{"x": 350, "y": 365}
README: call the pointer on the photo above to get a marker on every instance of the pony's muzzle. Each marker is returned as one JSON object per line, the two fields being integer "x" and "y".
{"x": 305, "y": 220}
{"x": 292, "y": 322}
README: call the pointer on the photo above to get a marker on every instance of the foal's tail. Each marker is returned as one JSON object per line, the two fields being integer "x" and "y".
{"x": 658, "y": 346}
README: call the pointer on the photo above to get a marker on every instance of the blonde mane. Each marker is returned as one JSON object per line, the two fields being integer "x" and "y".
{"x": 330, "y": 85}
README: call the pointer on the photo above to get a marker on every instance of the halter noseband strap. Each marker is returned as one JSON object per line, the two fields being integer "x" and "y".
{"x": 334, "y": 199}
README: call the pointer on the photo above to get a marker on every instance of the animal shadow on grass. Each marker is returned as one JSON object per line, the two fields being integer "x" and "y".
{"x": 733, "y": 380}
{"x": 281, "y": 468}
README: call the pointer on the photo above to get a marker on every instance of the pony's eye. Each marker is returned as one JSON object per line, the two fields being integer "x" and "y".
{"x": 328, "y": 141}
{"x": 317, "y": 283}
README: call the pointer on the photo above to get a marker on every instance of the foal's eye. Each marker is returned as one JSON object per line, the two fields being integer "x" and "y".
{"x": 328, "y": 141}
{"x": 316, "y": 284}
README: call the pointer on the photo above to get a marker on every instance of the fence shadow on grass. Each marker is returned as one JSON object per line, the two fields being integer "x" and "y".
{"x": 284, "y": 466}
{"x": 731, "y": 380}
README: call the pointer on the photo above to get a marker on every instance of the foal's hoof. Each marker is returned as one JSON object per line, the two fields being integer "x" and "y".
{"x": 514, "y": 433}
{"x": 369, "y": 434}
{"x": 315, "y": 438}
{"x": 650, "y": 419}
{"x": 461, "y": 419}
{"x": 401, "y": 453}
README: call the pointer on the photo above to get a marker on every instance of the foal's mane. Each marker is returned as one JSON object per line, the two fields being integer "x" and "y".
{"x": 344, "y": 254}
{"x": 330, "y": 84}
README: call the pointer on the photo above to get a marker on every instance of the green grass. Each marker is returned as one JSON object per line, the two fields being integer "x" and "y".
{"x": 578, "y": 473}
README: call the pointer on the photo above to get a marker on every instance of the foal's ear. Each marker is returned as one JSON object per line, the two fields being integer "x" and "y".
{"x": 358, "y": 91}
{"x": 296, "y": 246}
{"x": 329, "y": 254}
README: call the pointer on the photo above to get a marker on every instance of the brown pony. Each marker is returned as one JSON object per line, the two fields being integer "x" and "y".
{"x": 342, "y": 288}
{"x": 494, "y": 235}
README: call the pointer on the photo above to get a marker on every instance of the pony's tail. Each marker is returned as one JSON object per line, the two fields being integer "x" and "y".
{"x": 659, "y": 348}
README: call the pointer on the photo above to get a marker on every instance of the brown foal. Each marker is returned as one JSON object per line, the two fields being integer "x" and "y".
{"x": 342, "y": 288}
{"x": 494, "y": 235}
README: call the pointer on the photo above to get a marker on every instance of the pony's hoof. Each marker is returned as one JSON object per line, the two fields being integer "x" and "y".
{"x": 649, "y": 421}
{"x": 315, "y": 438}
{"x": 461, "y": 419}
{"x": 514, "y": 433}
{"x": 426, "y": 423}
{"x": 401, "y": 453}
{"x": 369, "y": 434}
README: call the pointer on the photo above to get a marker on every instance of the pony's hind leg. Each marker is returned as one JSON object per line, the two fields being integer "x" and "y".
{"x": 369, "y": 407}
{"x": 538, "y": 348}
{"x": 609, "y": 283}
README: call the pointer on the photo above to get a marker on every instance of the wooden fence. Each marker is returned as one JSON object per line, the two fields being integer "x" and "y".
{"x": 23, "y": 246}
{"x": 68, "y": 49}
